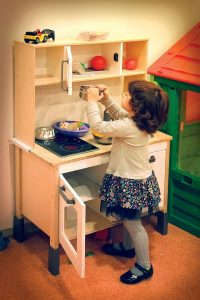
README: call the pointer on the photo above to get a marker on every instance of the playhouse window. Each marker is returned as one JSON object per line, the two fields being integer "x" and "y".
{"x": 189, "y": 134}
{"x": 192, "y": 107}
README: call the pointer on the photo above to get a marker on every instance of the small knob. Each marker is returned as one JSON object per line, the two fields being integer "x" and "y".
{"x": 152, "y": 159}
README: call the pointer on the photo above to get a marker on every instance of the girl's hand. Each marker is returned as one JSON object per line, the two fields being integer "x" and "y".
{"x": 104, "y": 90}
{"x": 93, "y": 94}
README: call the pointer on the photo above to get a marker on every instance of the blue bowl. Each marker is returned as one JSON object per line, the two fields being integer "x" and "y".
{"x": 75, "y": 133}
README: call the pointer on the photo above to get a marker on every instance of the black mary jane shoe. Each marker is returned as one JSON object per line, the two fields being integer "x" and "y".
{"x": 130, "y": 278}
{"x": 110, "y": 250}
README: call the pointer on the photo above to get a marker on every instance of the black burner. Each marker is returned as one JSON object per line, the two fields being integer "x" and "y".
{"x": 63, "y": 145}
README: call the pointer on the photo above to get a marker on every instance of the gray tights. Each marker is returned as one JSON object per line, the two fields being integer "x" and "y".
{"x": 135, "y": 236}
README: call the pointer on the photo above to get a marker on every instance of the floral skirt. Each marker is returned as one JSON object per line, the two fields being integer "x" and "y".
{"x": 125, "y": 198}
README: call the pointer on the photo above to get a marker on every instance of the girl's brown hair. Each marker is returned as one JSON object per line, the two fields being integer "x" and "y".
{"x": 149, "y": 103}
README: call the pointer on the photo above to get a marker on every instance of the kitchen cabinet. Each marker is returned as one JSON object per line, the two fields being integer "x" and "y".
{"x": 39, "y": 96}
{"x": 60, "y": 194}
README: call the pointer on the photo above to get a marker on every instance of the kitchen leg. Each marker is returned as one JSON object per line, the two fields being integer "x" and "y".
{"x": 18, "y": 229}
{"x": 162, "y": 222}
{"x": 53, "y": 261}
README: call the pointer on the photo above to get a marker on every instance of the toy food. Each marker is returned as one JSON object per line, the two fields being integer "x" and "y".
{"x": 68, "y": 126}
{"x": 73, "y": 125}
{"x": 98, "y": 63}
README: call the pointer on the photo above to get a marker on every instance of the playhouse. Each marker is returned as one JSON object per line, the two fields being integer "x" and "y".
{"x": 177, "y": 71}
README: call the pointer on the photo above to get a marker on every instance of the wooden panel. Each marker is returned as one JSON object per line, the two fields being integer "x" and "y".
{"x": 54, "y": 60}
{"x": 18, "y": 181}
{"x": 40, "y": 62}
{"x": 159, "y": 169}
{"x": 39, "y": 194}
{"x": 108, "y": 51}
{"x": 166, "y": 177}
{"x": 24, "y": 104}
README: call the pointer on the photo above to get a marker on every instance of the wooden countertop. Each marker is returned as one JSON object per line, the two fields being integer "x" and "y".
{"x": 70, "y": 41}
{"x": 55, "y": 160}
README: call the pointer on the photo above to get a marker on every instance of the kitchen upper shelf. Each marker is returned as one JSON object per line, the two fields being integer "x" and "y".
{"x": 43, "y": 80}
{"x": 48, "y": 60}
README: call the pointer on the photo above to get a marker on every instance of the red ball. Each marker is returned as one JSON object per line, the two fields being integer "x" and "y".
{"x": 98, "y": 63}
{"x": 130, "y": 64}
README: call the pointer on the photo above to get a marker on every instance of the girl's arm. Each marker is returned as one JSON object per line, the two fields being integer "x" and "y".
{"x": 115, "y": 110}
{"x": 114, "y": 128}
{"x": 117, "y": 127}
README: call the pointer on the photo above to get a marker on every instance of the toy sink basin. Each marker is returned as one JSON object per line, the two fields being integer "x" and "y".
{"x": 80, "y": 132}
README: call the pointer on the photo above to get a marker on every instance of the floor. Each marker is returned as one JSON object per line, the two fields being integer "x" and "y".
{"x": 175, "y": 258}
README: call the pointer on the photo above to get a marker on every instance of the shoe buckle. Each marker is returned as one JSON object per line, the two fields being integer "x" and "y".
{"x": 134, "y": 276}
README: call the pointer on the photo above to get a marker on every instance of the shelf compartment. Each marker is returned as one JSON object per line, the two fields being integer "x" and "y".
{"x": 138, "y": 51}
{"x": 84, "y": 53}
{"x": 88, "y": 191}
{"x": 48, "y": 65}
{"x": 94, "y": 222}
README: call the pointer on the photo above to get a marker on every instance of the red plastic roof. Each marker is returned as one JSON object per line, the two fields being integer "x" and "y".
{"x": 182, "y": 61}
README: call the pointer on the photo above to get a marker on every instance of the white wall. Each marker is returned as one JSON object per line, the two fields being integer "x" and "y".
{"x": 163, "y": 22}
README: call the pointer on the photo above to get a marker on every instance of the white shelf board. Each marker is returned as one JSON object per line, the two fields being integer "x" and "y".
{"x": 94, "y": 222}
{"x": 84, "y": 187}
{"x": 133, "y": 72}
{"x": 43, "y": 80}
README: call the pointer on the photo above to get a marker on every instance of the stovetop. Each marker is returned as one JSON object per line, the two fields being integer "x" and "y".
{"x": 64, "y": 146}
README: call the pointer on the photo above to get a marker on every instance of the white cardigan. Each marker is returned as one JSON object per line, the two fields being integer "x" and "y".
{"x": 129, "y": 154}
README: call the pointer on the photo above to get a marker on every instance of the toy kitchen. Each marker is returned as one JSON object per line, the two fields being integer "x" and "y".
{"x": 57, "y": 179}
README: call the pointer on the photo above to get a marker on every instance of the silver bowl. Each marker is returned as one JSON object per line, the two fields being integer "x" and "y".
{"x": 104, "y": 140}
{"x": 45, "y": 133}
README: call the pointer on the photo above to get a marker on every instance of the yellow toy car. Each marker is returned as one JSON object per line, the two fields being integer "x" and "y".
{"x": 38, "y": 36}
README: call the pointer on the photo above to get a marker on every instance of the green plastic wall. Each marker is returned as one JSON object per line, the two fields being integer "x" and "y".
{"x": 184, "y": 179}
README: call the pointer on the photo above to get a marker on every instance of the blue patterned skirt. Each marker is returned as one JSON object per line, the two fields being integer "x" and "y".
{"x": 125, "y": 198}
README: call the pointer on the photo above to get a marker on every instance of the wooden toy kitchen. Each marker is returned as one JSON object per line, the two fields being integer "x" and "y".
{"x": 59, "y": 194}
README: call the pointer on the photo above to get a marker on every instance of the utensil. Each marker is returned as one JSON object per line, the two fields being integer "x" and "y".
{"x": 44, "y": 133}
{"x": 83, "y": 91}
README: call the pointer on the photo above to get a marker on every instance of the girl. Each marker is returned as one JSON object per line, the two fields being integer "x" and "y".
{"x": 129, "y": 184}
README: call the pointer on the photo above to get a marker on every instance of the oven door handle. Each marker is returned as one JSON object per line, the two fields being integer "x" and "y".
{"x": 62, "y": 76}
{"x": 62, "y": 193}
{"x": 68, "y": 60}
